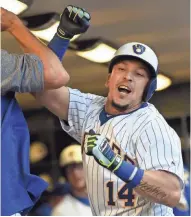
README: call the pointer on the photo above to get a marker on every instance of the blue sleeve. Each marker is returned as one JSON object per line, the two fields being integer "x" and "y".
{"x": 59, "y": 46}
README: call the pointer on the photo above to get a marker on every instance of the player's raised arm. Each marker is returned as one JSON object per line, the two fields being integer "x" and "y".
{"x": 74, "y": 20}
{"x": 38, "y": 63}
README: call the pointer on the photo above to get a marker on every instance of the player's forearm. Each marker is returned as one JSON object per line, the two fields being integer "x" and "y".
{"x": 160, "y": 187}
{"x": 55, "y": 75}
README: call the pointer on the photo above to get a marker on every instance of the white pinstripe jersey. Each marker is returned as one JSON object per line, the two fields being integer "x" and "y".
{"x": 141, "y": 137}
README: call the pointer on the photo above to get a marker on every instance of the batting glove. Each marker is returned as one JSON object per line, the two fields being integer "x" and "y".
{"x": 74, "y": 21}
{"x": 98, "y": 147}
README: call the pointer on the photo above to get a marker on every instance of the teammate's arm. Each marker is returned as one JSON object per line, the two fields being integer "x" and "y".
{"x": 158, "y": 186}
{"x": 55, "y": 75}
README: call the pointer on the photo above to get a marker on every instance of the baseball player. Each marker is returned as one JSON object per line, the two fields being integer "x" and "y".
{"x": 74, "y": 203}
{"x": 132, "y": 157}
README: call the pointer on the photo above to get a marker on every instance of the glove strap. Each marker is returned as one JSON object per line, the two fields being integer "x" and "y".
{"x": 115, "y": 164}
{"x": 63, "y": 34}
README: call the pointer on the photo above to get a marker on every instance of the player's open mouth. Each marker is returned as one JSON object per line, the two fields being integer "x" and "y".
{"x": 124, "y": 89}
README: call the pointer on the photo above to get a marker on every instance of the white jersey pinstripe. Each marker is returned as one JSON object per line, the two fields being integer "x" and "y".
{"x": 142, "y": 137}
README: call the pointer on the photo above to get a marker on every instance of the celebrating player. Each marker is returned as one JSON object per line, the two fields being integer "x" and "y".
{"x": 132, "y": 157}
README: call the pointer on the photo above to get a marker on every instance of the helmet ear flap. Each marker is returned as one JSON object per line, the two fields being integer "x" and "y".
{"x": 150, "y": 89}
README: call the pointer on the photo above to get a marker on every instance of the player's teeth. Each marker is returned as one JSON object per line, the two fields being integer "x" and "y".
{"x": 124, "y": 87}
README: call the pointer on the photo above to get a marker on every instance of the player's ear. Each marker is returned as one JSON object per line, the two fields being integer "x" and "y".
{"x": 107, "y": 81}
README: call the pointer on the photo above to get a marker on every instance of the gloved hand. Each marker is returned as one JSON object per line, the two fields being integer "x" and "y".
{"x": 74, "y": 21}
{"x": 98, "y": 146}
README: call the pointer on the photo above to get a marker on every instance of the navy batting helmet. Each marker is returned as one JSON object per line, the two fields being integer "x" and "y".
{"x": 142, "y": 52}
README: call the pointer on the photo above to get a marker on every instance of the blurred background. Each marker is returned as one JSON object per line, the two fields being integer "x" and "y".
{"x": 163, "y": 25}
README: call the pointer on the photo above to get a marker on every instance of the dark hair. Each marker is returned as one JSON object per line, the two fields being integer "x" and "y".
{"x": 118, "y": 59}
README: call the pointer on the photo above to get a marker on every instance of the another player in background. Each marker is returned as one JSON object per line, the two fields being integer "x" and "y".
{"x": 75, "y": 202}
{"x": 132, "y": 157}
{"x": 70, "y": 198}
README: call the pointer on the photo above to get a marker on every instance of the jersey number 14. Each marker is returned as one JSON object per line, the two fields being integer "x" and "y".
{"x": 124, "y": 193}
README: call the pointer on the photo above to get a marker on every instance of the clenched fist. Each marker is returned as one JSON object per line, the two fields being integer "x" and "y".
{"x": 97, "y": 146}
{"x": 74, "y": 21}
